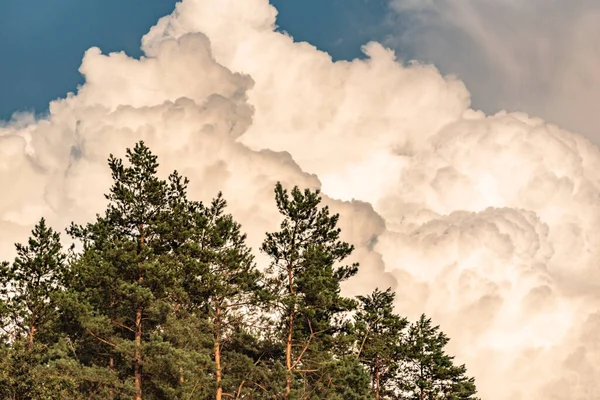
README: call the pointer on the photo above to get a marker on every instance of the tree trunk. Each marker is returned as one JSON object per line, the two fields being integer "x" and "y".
{"x": 377, "y": 380}
{"x": 422, "y": 390}
{"x": 219, "y": 395}
{"x": 138, "y": 354}
{"x": 31, "y": 334}
{"x": 139, "y": 331}
{"x": 288, "y": 356}
{"x": 111, "y": 366}
{"x": 288, "y": 346}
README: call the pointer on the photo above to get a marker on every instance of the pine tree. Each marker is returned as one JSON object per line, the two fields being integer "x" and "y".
{"x": 29, "y": 312}
{"x": 127, "y": 270}
{"x": 429, "y": 373}
{"x": 306, "y": 281}
{"x": 222, "y": 285}
{"x": 379, "y": 334}
{"x": 28, "y": 286}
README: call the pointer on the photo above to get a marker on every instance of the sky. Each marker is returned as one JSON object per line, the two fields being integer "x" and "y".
{"x": 43, "y": 42}
{"x": 546, "y": 70}
{"x": 468, "y": 181}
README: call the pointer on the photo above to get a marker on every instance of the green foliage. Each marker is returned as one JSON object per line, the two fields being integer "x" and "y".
{"x": 342, "y": 378}
{"x": 29, "y": 289}
{"x": 428, "y": 372}
{"x": 379, "y": 332}
{"x": 164, "y": 301}
{"x": 127, "y": 277}
{"x": 222, "y": 287}
{"x": 304, "y": 280}
{"x": 28, "y": 286}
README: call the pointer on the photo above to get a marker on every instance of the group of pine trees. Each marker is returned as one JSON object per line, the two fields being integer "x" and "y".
{"x": 162, "y": 299}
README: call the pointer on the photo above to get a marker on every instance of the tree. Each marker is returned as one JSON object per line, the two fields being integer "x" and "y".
{"x": 127, "y": 270}
{"x": 222, "y": 285}
{"x": 28, "y": 285}
{"x": 305, "y": 282}
{"x": 30, "y": 288}
{"x": 379, "y": 334}
{"x": 429, "y": 373}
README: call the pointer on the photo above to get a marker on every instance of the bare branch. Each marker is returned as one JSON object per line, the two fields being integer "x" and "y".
{"x": 100, "y": 339}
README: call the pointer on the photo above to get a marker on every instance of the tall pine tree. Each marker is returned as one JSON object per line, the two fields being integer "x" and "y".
{"x": 30, "y": 289}
{"x": 222, "y": 286}
{"x": 127, "y": 270}
{"x": 305, "y": 278}
{"x": 28, "y": 286}
{"x": 379, "y": 332}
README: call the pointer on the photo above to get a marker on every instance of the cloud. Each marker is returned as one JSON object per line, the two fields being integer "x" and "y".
{"x": 190, "y": 110}
{"x": 486, "y": 222}
{"x": 537, "y": 56}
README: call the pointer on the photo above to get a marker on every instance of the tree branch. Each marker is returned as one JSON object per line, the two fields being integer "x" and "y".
{"x": 100, "y": 339}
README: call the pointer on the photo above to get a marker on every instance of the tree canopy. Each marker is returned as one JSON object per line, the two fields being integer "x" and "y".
{"x": 161, "y": 298}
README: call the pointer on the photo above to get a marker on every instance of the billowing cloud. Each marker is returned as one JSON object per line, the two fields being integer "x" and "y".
{"x": 487, "y": 223}
{"x": 539, "y": 56}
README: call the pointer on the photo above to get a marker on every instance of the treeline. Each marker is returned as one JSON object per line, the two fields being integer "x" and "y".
{"x": 162, "y": 299}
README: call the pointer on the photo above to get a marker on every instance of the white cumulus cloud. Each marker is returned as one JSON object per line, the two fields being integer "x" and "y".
{"x": 487, "y": 223}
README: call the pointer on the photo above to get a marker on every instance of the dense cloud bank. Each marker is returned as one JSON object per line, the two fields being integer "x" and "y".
{"x": 487, "y": 223}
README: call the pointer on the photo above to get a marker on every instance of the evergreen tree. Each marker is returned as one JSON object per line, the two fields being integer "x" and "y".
{"x": 429, "y": 373}
{"x": 29, "y": 293}
{"x": 28, "y": 286}
{"x": 222, "y": 285}
{"x": 128, "y": 272}
{"x": 306, "y": 281}
{"x": 379, "y": 334}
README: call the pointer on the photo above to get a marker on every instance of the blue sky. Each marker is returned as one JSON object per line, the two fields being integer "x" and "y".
{"x": 42, "y": 42}
{"x": 340, "y": 27}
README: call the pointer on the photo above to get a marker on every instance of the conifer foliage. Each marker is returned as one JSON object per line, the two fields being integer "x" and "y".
{"x": 29, "y": 284}
{"x": 429, "y": 373}
{"x": 161, "y": 298}
{"x": 379, "y": 334}
{"x": 306, "y": 281}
